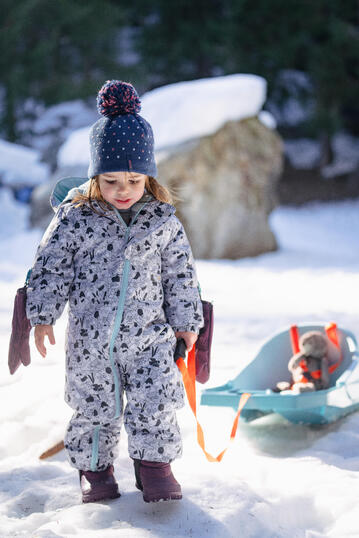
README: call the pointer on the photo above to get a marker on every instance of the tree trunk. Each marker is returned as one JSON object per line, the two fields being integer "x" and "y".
{"x": 326, "y": 150}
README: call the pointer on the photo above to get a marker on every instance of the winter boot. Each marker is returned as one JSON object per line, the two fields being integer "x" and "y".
{"x": 156, "y": 481}
{"x": 98, "y": 486}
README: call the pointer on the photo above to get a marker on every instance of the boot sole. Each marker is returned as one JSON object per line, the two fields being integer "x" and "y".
{"x": 159, "y": 497}
{"x": 172, "y": 497}
{"x": 101, "y": 496}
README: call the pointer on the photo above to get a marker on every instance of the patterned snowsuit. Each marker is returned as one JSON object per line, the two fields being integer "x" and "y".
{"x": 129, "y": 289}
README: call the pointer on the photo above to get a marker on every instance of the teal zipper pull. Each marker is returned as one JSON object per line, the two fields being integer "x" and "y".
{"x": 28, "y": 277}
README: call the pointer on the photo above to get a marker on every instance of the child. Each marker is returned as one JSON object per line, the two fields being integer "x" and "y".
{"x": 121, "y": 258}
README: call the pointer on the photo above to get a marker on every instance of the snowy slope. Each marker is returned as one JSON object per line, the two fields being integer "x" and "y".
{"x": 277, "y": 479}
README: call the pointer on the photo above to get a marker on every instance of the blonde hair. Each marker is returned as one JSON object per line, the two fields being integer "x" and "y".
{"x": 94, "y": 193}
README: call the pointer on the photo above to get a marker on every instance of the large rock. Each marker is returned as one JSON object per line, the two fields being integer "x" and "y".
{"x": 226, "y": 186}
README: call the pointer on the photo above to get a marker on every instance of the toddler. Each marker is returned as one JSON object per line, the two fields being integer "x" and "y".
{"x": 118, "y": 254}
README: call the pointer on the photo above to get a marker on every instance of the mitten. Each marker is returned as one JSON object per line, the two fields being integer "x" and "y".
{"x": 19, "y": 348}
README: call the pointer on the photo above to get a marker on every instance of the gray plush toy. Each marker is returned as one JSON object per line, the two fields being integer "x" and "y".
{"x": 309, "y": 367}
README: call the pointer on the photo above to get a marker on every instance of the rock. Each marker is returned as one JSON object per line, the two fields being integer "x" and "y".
{"x": 226, "y": 186}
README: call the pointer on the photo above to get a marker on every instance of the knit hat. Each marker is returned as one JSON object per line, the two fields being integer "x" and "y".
{"x": 122, "y": 140}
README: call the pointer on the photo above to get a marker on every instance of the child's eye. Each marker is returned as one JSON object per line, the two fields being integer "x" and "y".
{"x": 133, "y": 181}
{"x": 110, "y": 182}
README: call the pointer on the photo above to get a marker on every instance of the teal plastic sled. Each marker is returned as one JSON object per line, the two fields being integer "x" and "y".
{"x": 271, "y": 365}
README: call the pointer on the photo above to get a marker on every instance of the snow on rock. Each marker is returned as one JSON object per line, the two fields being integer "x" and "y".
{"x": 267, "y": 119}
{"x": 20, "y": 165}
{"x": 76, "y": 150}
{"x": 185, "y": 110}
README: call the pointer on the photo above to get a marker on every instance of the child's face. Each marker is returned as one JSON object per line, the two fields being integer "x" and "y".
{"x": 122, "y": 189}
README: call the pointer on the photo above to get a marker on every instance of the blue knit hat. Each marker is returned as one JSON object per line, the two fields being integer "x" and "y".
{"x": 121, "y": 141}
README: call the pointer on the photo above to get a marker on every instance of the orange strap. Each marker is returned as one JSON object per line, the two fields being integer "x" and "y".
{"x": 332, "y": 333}
{"x": 189, "y": 380}
{"x": 315, "y": 374}
{"x": 294, "y": 338}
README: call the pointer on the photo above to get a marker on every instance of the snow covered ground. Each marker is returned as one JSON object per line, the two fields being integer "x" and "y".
{"x": 276, "y": 480}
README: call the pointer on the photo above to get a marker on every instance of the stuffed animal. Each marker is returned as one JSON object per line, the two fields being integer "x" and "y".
{"x": 309, "y": 367}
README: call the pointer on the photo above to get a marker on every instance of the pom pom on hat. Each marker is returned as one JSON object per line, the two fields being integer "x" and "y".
{"x": 116, "y": 98}
{"x": 121, "y": 140}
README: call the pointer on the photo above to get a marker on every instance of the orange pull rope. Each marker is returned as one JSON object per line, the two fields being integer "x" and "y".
{"x": 189, "y": 380}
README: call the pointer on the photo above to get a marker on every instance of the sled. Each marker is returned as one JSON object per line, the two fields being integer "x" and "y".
{"x": 270, "y": 365}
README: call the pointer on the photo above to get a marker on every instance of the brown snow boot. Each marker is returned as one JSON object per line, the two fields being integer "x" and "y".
{"x": 156, "y": 481}
{"x": 98, "y": 486}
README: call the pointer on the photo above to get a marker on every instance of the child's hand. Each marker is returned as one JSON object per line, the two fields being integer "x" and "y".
{"x": 188, "y": 337}
{"x": 40, "y": 332}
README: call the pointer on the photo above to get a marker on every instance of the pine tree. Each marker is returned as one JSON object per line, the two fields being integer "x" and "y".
{"x": 54, "y": 50}
{"x": 320, "y": 38}
{"x": 187, "y": 39}
{"x": 179, "y": 40}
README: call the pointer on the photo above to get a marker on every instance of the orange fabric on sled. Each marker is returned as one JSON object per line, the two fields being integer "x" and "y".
{"x": 294, "y": 338}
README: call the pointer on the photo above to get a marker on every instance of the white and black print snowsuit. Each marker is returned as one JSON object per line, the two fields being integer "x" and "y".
{"x": 129, "y": 289}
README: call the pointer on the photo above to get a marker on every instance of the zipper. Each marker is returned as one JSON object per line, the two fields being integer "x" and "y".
{"x": 95, "y": 445}
{"x": 116, "y": 328}
{"x": 120, "y": 309}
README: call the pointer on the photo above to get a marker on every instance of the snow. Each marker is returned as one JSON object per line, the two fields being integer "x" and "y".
{"x": 267, "y": 119}
{"x": 73, "y": 113}
{"x": 14, "y": 216}
{"x": 198, "y": 108}
{"x": 277, "y": 480}
{"x": 20, "y": 165}
{"x": 46, "y": 128}
{"x": 304, "y": 153}
{"x": 185, "y": 110}
{"x": 292, "y": 99}
{"x": 75, "y": 151}
{"x": 346, "y": 156}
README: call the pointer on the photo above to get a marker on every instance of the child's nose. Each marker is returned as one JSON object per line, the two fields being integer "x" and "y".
{"x": 122, "y": 187}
